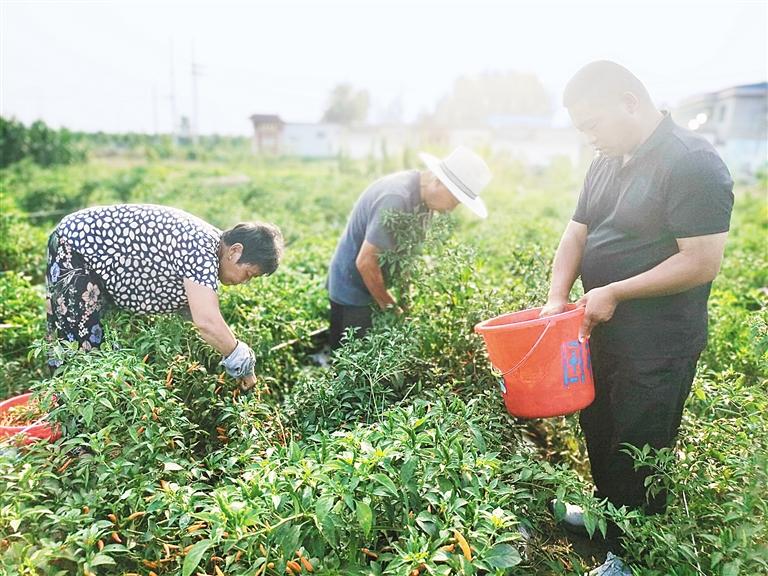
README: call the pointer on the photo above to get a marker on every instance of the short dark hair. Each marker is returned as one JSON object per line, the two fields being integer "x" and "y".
{"x": 602, "y": 81}
{"x": 262, "y": 244}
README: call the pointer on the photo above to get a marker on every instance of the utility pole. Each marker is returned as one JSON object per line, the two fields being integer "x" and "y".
{"x": 154, "y": 110}
{"x": 172, "y": 97}
{"x": 195, "y": 71}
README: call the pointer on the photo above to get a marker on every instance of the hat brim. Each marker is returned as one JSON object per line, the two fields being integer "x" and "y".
{"x": 475, "y": 204}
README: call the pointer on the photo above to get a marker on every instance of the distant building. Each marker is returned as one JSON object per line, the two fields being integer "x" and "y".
{"x": 272, "y": 136}
{"x": 378, "y": 141}
{"x": 530, "y": 139}
{"x": 309, "y": 140}
{"x": 735, "y": 120}
{"x": 540, "y": 146}
{"x": 266, "y": 133}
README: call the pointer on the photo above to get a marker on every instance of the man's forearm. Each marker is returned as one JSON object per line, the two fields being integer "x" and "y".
{"x": 373, "y": 278}
{"x": 676, "y": 274}
{"x": 565, "y": 270}
{"x": 697, "y": 263}
{"x": 367, "y": 263}
{"x": 566, "y": 265}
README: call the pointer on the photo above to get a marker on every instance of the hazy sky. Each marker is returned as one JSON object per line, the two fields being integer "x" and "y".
{"x": 107, "y": 65}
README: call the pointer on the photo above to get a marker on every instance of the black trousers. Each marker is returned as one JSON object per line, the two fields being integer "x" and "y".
{"x": 637, "y": 401}
{"x": 343, "y": 317}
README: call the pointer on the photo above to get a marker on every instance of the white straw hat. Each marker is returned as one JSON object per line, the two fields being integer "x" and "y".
{"x": 465, "y": 174}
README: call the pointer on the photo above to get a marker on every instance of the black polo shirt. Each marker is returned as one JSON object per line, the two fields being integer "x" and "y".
{"x": 674, "y": 186}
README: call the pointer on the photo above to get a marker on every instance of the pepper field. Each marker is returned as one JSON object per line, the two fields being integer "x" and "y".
{"x": 399, "y": 459}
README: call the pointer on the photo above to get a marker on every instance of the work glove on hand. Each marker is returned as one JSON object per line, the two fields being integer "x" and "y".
{"x": 240, "y": 362}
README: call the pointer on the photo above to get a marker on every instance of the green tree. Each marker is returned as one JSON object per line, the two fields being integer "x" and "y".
{"x": 347, "y": 105}
{"x": 475, "y": 98}
{"x": 13, "y": 141}
{"x": 42, "y": 144}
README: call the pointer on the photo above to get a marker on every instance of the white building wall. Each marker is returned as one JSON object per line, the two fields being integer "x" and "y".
{"x": 749, "y": 117}
{"x": 366, "y": 141}
{"x": 744, "y": 157}
{"x": 540, "y": 146}
{"x": 536, "y": 146}
{"x": 736, "y": 124}
{"x": 310, "y": 140}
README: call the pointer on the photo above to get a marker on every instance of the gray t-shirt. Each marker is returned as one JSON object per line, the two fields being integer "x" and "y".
{"x": 400, "y": 191}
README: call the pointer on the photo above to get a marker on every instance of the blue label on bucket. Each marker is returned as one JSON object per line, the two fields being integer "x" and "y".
{"x": 575, "y": 360}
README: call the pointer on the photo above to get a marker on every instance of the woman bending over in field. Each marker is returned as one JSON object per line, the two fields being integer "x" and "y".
{"x": 153, "y": 259}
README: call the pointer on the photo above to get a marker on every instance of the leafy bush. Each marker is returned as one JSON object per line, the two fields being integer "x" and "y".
{"x": 717, "y": 477}
{"x": 22, "y": 246}
{"x": 41, "y": 144}
{"x": 160, "y": 458}
{"x": 22, "y": 314}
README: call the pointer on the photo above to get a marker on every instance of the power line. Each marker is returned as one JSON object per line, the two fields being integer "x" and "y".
{"x": 172, "y": 95}
{"x": 195, "y": 71}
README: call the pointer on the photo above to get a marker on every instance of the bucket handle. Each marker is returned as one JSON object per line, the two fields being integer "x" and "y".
{"x": 528, "y": 354}
{"x": 24, "y": 430}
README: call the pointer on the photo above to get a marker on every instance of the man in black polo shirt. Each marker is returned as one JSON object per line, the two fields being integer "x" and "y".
{"x": 647, "y": 239}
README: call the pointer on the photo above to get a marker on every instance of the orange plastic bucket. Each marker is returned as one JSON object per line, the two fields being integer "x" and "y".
{"x": 31, "y": 432}
{"x": 546, "y": 370}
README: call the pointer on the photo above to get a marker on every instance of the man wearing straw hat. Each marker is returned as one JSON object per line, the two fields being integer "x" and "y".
{"x": 647, "y": 239}
{"x": 355, "y": 279}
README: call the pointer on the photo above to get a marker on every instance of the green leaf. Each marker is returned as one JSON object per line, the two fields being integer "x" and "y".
{"x": 502, "y": 556}
{"x": 323, "y": 507}
{"x": 329, "y": 530}
{"x": 172, "y": 467}
{"x": 384, "y": 480}
{"x": 254, "y": 567}
{"x": 88, "y": 414}
{"x": 101, "y": 559}
{"x": 590, "y": 522}
{"x": 407, "y": 469}
{"x": 440, "y": 556}
{"x": 364, "y": 517}
{"x": 477, "y": 435}
{"x": 418, "y": 424}
{"x": 427, "y": 522}
{"x": 731, "y": 568}
{"x": 287, "y": 536}
{"x": 559, "y": 510}
{"x": 325, "y": 520}
{"x": 192, "y": 559}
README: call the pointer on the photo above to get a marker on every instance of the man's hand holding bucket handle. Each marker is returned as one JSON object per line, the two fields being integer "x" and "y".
{"x": 553, "y": 307}
{"x": 599, "y": 305}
